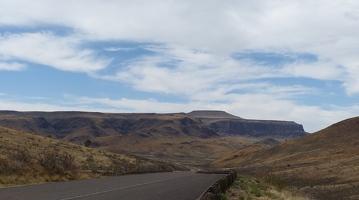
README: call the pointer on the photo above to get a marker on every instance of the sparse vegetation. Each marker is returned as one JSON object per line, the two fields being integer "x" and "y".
{"x": 32, "y": 159}
{"x": 87, "y": 143}
{"x": 247, "y": 188}
{"x": 323, "y": 165}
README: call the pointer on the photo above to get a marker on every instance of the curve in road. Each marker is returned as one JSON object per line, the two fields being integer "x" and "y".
{"x": 174, "y": 185}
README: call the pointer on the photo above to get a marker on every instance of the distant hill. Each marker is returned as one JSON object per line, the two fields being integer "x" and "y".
{"x": 80, "y": 126}
{"x": 324, "y": 164}
{"x": 161, "y": 136}
{"x": 200, "y": 135}
{"x": 226, "y": 124}
{"x": 212, "y": 114}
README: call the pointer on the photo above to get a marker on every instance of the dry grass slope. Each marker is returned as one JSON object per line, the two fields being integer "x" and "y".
{"x": 178, "y": 137}
{"x": 251, "y": 188}
{"x": 31, "y": 159}
{"x": 324, "y": 164}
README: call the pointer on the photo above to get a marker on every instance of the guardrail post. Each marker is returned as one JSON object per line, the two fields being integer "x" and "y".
{"x": 208, "y": 196}
{"x": 224, "y": 184}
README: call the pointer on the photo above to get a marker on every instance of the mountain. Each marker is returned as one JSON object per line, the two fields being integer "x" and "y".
{"x": 207, "y": 115}
{"x": 227, "y": 124}
{"x": 80, "y": 126}
{"x": 161, "y": 136}
{"x": 191, "y": 139}
{"x": 324, "y": 164}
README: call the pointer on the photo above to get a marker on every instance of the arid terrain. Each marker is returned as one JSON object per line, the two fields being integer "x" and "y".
{"x": 194, "y": 139}
{"x": 30, "y": 159}
{"x": 324, "y": 164}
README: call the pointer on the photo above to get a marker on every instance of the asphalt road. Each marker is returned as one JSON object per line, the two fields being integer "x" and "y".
{"x": 174, "y": 186}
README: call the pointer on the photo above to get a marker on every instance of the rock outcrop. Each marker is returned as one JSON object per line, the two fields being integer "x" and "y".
{"x": 80, "y": 126}
{"x": 227, "y": 124}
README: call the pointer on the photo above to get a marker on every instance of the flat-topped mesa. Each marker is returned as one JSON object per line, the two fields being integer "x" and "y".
{"x": 227, "y": 124}
{"x": 211, "y": 113}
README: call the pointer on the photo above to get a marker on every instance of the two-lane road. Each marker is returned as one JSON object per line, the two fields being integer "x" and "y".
{"x": 174, "y": 186}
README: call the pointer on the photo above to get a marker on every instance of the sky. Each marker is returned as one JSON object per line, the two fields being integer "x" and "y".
{"x": 292, "y": 60}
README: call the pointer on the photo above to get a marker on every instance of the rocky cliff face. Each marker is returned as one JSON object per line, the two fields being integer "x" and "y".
{"x": 227, "y": 124}
{"x": 258, "y": 128}
{"x": 80, "y": 126}
{"x": 195, "y": 136}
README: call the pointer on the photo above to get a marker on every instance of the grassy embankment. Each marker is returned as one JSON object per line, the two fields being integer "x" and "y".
{"x": 248, "y": 188}
{"x": 32, "y": 159}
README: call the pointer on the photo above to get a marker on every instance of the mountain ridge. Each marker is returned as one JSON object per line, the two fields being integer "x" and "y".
{"x": 228, "y": 124}
{"x": 173, "y": 135}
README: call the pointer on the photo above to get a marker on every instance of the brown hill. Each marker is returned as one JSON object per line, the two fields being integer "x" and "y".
{"x": 30, "y": 159}
{"x": 178, "y": 136}
{"x": 231, "y": 159}
{"x": 80, "y": 126}
{"x": 163, "y": 136}
{"x": 324, "y": 164}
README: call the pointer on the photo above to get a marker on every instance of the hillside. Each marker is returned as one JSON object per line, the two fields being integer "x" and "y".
{"x": 324, "y": 164}
{"x": 80, "y": 126}
{"x": 231, "y": 159}
{"x": 31, "y": 159}
{"x": 178, "y": 137}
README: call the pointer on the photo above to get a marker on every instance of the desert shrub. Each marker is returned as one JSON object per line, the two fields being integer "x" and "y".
{"x": 275, "y": 181}
{"x": 16, "y": 161}
{"x": 19, "y": 154}
{"x": 223, "y": 197}
{"x": 5, "y": 167}
{"x": 56, "y": 162}
{"x": 255, "y": 191}
{"x": 87, "y": 143}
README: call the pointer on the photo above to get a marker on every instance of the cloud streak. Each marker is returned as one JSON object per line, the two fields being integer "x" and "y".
{"x": 12, "y": 66}
{"x": 45, "y": 48}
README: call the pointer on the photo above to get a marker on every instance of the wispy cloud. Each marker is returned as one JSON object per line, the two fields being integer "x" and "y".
{"x": 12, "y": 66}
{"x": 198, "y": 74}
{"x": 46, "y": 48}
{"x": 230, "y": 55}
{"x": 119, "y": 49}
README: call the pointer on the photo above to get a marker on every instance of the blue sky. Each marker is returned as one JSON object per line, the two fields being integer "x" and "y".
{"x": 283, "y": 60}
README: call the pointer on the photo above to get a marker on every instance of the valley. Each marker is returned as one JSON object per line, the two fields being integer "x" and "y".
{"x": 323, "y": 164}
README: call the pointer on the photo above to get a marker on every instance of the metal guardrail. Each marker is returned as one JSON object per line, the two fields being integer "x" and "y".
{"x": 219, "y": 187}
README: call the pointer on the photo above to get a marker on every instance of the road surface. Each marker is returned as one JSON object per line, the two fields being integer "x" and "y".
{"x": 173, "y": 185}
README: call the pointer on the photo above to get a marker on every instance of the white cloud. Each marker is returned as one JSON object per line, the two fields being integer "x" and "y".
{"x": 180, "y": 71}
{"x": 119, "y": 49}
{"x": 262, "y": 106}
{"x": 23, "y": 106}
{"x": 48, "y": 49}
{"x": 324, "y": 28}
{"x": 194, "y": 43}
{"x": 249, "y": 106}
{"x": 12, "y": 66}
{"x": 321, "y": 70}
